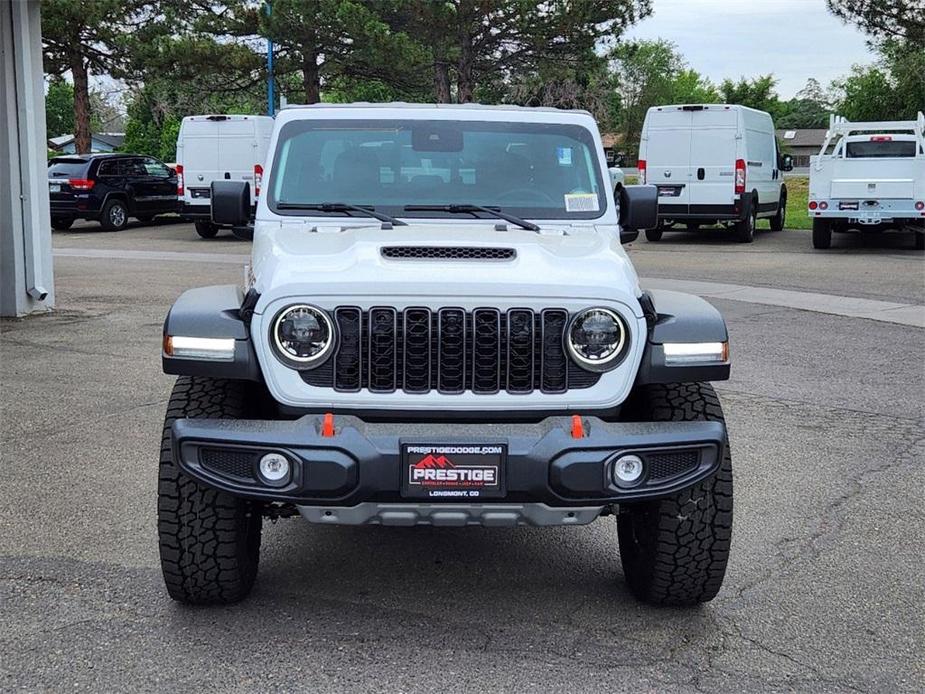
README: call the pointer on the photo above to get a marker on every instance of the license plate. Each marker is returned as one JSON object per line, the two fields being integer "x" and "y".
{"x": 453, "y": 471}
{"x": 669, "y": 191}
{"x": 54, "y": 188}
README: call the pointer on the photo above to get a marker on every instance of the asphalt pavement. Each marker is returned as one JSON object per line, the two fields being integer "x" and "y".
{"x": 825, "y": 590}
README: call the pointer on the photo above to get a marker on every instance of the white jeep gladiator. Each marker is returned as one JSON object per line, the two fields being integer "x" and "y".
{"x": 441, "y": 327}
{"x": 869, "y": 176}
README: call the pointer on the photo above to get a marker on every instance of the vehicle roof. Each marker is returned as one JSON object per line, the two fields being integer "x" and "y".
{"x": 95, "y": 155}
{"x": 867, "y": 137}
{"x": 442, "y": 107}
{"x": 710, "y": 107}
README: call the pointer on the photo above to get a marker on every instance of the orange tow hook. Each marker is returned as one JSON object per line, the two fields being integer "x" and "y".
{"x": 578, "y": 427}
{"x": 327, "y": 425}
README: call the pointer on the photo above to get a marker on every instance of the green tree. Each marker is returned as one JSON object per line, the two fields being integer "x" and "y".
{"x": 645, "y": 73}
{"x": 757, "y": 92}
{"x": 810, "y": 108}
{"x": 59, "y": 107}
{"x": 690, "y": 87}
{"x": 97, "y": 37}
{"x": 894, "y": 20}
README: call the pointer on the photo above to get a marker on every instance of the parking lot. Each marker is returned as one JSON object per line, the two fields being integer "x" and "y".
{"x": 825, "y": 587}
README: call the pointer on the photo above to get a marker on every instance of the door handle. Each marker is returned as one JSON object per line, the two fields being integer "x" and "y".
{"x": 701, "y": 174}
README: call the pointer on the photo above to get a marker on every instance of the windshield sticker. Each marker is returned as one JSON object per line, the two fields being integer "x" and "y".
{"x": 564, "y": 155}
{"x": 581, "y": 202}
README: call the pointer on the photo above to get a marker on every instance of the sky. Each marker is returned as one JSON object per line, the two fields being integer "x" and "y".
{"x": 794, "y": 39}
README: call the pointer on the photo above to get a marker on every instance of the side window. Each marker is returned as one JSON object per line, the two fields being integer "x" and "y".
{"x": 107, "y": 168}
{"x": 155, "y": 168}
{"x": 133, "y": 167}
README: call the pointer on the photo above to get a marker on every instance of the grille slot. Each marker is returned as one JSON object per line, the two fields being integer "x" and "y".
{"x": 447, "y": 253}
{"x": 670, "y": 464}
{"x": 228, "y": 462}
{"x": 450, "y": 350}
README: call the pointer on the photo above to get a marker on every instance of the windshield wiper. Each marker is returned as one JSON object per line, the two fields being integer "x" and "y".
{"x": 368, "y": 210}
{"x": 471, "y": 209}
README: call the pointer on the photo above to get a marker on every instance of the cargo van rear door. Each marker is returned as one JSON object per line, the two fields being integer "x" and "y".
{"x": 712, "y": 159}
{"x": 668, "y": 149}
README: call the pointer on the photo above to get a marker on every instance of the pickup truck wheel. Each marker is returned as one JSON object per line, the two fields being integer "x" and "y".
{"x": 822, "y": 233}
{"x": 114, "y": 216}
{"x": 674, "y": 551}
{"x": 206, "y": 230}
{"x": 654, "y": 234}
{"x": 209, "y": 540}
{"x": 745, "y": 229}
{"x": 779, "y": 219}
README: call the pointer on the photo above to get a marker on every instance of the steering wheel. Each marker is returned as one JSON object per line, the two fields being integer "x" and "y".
{"x": 530, "y": 192}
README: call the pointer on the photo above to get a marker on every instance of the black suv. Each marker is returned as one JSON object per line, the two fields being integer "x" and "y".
{"x": 109, "y": 188}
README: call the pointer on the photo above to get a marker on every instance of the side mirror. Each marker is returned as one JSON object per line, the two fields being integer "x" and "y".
{"x": 786, "y": 163}
{"x": 171, "y": 172}
{"x": 231, "y": 203}
{"x": 619, "y": 159}
{"x": 638, "y": 209}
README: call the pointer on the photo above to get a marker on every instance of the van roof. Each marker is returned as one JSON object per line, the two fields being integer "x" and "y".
{"x": 223, "y": 116}
{"x": 442, "y": 107}
{"x": 705, "y": 107}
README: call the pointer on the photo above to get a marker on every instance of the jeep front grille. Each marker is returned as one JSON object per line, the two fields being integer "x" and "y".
{"x": 451, "y": 351}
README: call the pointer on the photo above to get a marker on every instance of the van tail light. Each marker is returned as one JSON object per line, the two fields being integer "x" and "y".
{"x": 740, "y": 176}
{"x": 81, "y": 183}
{"x": 258, "y": 179}
{"x": 642, "y": 170}
{"x": 813, "y": 204}
{"x": 920, "y": 205}
{"x": 179, "y": 180}
{"x": 823, "y": 205}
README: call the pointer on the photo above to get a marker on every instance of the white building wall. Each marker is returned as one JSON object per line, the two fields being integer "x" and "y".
{"x": 26, "y": 277}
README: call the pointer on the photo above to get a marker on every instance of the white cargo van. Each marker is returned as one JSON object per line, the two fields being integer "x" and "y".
{"x": 869, "y": 176}
{"x": 713, "y": 163}
{"x": 217, "y": 148}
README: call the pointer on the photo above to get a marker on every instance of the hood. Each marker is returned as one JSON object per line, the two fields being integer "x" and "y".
{"x": 307, "y": 259}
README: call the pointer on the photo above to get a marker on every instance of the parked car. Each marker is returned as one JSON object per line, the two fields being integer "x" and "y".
{"x": 869, "y": 177}
{"x": 713, "y": 163}
{"x": 109, "y": 188}
{"x": 441, "y": 327}
{"x": 218, "y": 148}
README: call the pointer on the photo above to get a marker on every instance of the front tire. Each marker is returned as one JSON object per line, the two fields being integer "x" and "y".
{"x": 674, "y": 551}
{"x": 206, "y": 230}
{"x": 822, "y": 233}
{"x": 209, "y": 540}
{"x": 114, "y": 216}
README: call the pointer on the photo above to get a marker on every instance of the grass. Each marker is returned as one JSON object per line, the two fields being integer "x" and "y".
{"x": 797, "y": 194}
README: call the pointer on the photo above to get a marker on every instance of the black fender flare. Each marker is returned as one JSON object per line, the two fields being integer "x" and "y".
{"x": 680, "y": 318}
{"x": 214, "y": 312}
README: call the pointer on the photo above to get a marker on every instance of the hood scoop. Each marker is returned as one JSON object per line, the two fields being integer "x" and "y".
{"x": 448, "y": 253}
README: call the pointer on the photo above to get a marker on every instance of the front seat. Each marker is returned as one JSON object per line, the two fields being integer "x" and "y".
{"x": 356, "y": 170}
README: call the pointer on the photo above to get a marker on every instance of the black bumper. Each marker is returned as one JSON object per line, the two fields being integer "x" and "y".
{"x": 362, "y": 462}
{"x": 683, "y": 213}
{"x": 194, "y": 213}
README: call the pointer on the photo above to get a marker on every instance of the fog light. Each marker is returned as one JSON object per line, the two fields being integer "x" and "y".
{"x": 274, "y": 468}
{"x": 627, "y": 470}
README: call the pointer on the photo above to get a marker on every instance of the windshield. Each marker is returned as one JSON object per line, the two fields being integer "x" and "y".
{"x": 880, "y": 149}
{"x": 534, "y": 170}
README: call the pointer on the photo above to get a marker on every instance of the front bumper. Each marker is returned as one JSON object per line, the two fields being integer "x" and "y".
{"x": 355, "y": 476}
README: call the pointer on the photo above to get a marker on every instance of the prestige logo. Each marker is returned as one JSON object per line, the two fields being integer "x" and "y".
{"x": 436, "y": 469}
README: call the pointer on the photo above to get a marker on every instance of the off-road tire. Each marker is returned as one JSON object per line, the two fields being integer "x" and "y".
{"x": 206, "y": 230}
{"x": 778, "y": 220}
{"x": 745, "y": 229}
{"x": 822, "y": 233}
{"x": 209, "y": 540}
{"x": 60, "y": 224}
{"x": 114, "y": 216}
{"x": 674, "y": 551}
{"x": 654, "y": 234}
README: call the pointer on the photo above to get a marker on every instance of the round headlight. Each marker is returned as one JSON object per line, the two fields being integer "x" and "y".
{"x": 303, "y": 335}
{"x": 596, "y": 338}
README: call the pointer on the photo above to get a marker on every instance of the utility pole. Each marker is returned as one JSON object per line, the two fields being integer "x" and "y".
{"x": 271, "y": 97}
